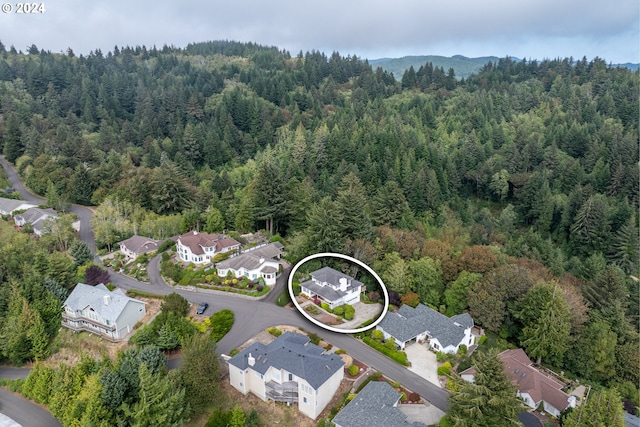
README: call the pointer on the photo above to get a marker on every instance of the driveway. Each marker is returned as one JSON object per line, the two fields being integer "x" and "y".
{"x": 24, "y": 412}
{"x": 423, "y": 362}
{"x": 425, "y": 413}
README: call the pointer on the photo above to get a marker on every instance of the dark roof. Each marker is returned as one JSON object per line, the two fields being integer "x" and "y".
{"x": 374, "y": 406}
{"x": 294, "y": 353}
{"x": 37, "y": 217}
{"x": 251, "y": 259}
{"x": 326, "y": 281}
{"x": 140, "y": 244}
{"x": 407, "y": 323}
{"x": 272, "y": 250}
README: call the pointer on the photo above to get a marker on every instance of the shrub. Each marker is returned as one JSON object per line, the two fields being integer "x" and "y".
{"x": 349, "y": 312}
{"x": 390, "y": 343}
{"x": 325, "y": 307}
{"x": 167, "y": 244}
{"x": 445, "y": 369}
{"x": 374, "y": 296}
{"x": 250, "y": 285}
{"x": 462, "y": 350}
{"x": 339, "y": 311}
{"x": 340, "y": 351}
{"x": 259, "y": 288}
{"x": 314, "y": 338}
{"x": 353, "y": 370}
{"x": 274, "y": 331}
{"x": 221, "y": 323}
{"x": 440, "y": 356}
{"x": 377, "y": 335}
{"x": 482, "y": 339}
{"x": 233, "y": 352}
{"x": 398, "y": 356}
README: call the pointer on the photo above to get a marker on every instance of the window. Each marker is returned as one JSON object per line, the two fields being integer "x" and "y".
{"x": 306, "y": 389}
{"x": 304, "y": 399}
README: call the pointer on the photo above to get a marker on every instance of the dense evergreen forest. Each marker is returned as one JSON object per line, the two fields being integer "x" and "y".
{"x": 512, "y": 194}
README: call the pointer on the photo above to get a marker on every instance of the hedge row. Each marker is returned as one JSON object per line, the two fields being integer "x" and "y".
{"x": 398, "y": 356}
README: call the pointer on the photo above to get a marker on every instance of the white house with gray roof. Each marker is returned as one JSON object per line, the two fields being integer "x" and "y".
{"x": 9, "y": 206}
{"x": 39, "y": 218}
{"x": 445, "y": 334}
{"x": 375, "y": 405}
{"x": 96, "y": 309}
{"x": 333, "y": 287}
{"x": 289, "y": 369}
{"x": 259, "y": 263}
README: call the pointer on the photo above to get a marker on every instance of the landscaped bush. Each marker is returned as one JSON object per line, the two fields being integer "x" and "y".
{"x": 482, "y": 339}
{"x": 397, "y": 355}
{"x": 462, "y": 350}
{"x": 340, "y": 351}
{"x": 445, "y": 369}
{"x": 353, "y": 370}
{"x": 314, "y": 338}
{"x": 274, "y": 331}
{"x": 339, "y": 311}
{"x": 441, "y": 357}
{"x": 260, "y": 288}
{"x": 325, "y": 307}
{"x": 221, "y": 323}
{"x": 377, "y": 335}
{"x": 390, "y": 343}
{"x": 349, "y": 312}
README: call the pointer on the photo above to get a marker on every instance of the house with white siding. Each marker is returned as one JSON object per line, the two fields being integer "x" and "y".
{"x": 445, "y": 334}
{"x": 259, "y": 263}
{"x": 109, "y": 314}
{"x": 289, "y": 369}
{"x": 333, "y": 287}
{"x": 9, "y": 206}
{"x": 200, "y": 248}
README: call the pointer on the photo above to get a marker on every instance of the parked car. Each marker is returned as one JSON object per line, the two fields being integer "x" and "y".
{"x": 202, "y": 307}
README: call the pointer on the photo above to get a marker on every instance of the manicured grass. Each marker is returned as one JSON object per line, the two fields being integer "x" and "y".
{"x": 284, "y": 298}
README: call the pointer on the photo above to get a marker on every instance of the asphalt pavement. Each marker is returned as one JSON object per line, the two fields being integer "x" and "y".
{"x": 24, "y": 412}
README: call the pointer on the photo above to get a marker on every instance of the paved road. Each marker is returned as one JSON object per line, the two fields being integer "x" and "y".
{"x": 84, "y": 214}
{"x": 252, "y": 317}
{"x": 24, "y": 412}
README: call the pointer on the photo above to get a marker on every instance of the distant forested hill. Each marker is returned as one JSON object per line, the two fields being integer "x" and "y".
{"x": 462, "y": 65}
{"x": 512, "y": 194}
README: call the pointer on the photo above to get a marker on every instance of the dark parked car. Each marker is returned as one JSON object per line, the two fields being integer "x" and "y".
{"x": 202, "y": 307}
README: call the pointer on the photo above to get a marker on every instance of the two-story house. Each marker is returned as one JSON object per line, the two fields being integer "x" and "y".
{"x": 333, "y": 287}
{"x": 289, "y": 369}
{"x": 445, "y": 334}
{"x": 200, "y": 248}
{"x": 96, "y": 309}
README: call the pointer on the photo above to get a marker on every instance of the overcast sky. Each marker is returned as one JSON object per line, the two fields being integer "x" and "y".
{"x": 535, "y": 29}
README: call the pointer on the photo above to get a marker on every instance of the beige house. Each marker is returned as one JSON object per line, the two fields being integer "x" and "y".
{"x": 136, "y": 245}
{"x": 289, "y": 369}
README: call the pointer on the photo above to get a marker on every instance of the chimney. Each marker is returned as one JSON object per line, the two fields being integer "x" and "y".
{"x": 343, "y": 284}
{"x": 261, "y": 260}
{"x": 107, "y": 299}
{"x": 251, "y": 360}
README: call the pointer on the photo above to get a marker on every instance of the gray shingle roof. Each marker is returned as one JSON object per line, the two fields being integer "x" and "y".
{"x": 7, "y": 206}
{"x": 332, "y": 277}
{"x": 372, "y": 407}
{"x": 294, "y": 353}
{"x": 93, "y": 296}
{"x": 409, "y": 322}
{"x": 37, "y": 217}
{"x": 272, "y": 250}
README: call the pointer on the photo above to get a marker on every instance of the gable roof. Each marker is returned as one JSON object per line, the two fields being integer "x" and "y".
{"x": 272, "y": 250}
{"x": 294, "y": 353}
{"x": 37, "y": 217}
{"x": 528, "y": 379}
{"x": 8, "y": 206}
{"x": 374, "y": 406}
{"x": 84, "y": 296}
{"x": 247, "y": 261}
{"x": 332, "y": 278}
{"x": 195, "y": 241}
{"x": 140, "y": 244}
{"x": 408, "y": 322}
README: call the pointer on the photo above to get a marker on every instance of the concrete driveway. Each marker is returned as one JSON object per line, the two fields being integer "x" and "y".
{"x": 423, "y": 362}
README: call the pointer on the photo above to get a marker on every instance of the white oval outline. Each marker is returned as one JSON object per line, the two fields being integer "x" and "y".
{"x": 351, "y": 259}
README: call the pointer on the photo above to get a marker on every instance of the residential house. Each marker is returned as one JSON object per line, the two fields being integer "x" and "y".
{"x": 95, "y": 309}
{"x": 256, "y": 263}
{"x": 289, "y": 369}
{"x": 445, "y": 334}
{"x": 9, "y": 206}
{"x": 375, "y": 405}
{"x": 534, "y": 387}
{"x": 333, "y": 287}
{"x": 200, "y": 248}
{"x": 136, "y": 245}
{"x": 38, "y": 218}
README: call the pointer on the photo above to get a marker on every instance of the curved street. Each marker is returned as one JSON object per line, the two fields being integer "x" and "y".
{"x": 251, "y": 317}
